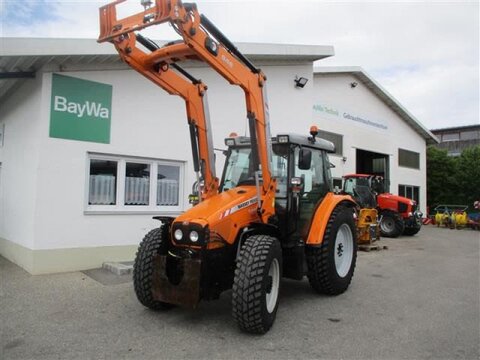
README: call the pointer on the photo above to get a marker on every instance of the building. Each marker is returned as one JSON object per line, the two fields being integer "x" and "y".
{"x": 90, "y": 150}
{"x": 373, "y": 132}
{"x": 456, "y": 139}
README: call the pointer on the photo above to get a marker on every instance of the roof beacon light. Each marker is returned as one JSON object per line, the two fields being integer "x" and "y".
{"x": 313, "y": 132}
{"x": 233, "y": 135}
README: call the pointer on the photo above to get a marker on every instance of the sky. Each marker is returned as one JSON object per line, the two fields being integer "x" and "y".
{"x": 424, "y": 53}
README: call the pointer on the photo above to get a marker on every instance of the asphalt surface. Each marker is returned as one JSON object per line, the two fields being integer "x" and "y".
{"x": 417, "y": 300}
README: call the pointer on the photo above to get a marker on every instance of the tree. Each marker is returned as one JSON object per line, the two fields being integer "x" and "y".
{"x": 453, "y": 180}
{"x": 440, "y": 177}
{"x": 468, "y": 175}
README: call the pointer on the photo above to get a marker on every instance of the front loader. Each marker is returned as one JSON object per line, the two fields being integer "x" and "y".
{"x": 272, "y": 214}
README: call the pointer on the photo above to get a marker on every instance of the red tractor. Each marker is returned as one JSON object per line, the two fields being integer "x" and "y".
{"x": 398, "y": 215}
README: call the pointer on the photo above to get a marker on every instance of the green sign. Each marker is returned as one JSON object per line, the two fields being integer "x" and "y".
{"x": 80, "y": 109}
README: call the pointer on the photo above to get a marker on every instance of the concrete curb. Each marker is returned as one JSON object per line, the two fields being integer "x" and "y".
{"x": 119, "y": 268}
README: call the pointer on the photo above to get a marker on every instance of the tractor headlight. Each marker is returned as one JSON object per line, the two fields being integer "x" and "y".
{"x": 178, "y": 234}
{"x": 193, "y": 236}
{"x": 282, "y": 139}
{"x": 189, "y": 234}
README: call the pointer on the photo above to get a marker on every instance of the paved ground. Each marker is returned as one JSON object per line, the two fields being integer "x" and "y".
{"x": 418, "y": 299}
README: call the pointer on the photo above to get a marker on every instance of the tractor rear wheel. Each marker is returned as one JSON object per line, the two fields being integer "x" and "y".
{"x": 152, "y": 244}
{"x": 256, "y": 285}
{"x": 331, "y": 265}
{"x": 391, "y": 224}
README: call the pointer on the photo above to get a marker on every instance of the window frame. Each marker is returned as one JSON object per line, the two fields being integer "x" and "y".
{"x": 412, "y": 188}
{"x": 120, "y": 207}
{"x": 411, "y": 152}
{"x": 338, "y": 152}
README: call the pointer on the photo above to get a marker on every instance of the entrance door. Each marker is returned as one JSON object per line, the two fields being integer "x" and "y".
{"x": 373, "y": 163}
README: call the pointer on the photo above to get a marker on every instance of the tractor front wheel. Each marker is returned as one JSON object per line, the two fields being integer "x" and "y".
{"x": 256, "y": 285}
{"x": 152, "y": 244}
{"x": 331, "y": 265}
{"x": 413, "y": 229}
{"x": 391, "y": 224}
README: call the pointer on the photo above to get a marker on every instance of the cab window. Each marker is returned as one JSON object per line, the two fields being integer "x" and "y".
{"x": 315, "y": 185}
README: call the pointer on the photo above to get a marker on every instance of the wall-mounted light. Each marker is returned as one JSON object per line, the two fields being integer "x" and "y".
{"x": 353, "y": 84}
{"x": 300, "y": 82}
{"x": 344, "y": 159}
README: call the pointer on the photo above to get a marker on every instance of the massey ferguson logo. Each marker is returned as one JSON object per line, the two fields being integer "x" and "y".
{"x": 88, "y": 108}
{"x": 240, "y": 206}
{"x": 227, "y": 61}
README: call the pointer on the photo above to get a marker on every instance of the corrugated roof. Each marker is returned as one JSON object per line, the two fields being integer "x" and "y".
{"x": 25, "y": 56}
{"x": 456, "y": 128}
{"x": 384, "y": 95}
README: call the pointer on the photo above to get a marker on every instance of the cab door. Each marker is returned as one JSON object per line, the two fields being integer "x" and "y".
{"x": 315, "y": 185}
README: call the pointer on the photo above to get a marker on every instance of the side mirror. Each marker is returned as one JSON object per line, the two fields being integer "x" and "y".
{"x": 304, "y": 159}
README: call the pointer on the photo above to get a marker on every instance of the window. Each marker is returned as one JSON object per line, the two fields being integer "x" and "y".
{"x": 409, "y": 159}
{"x": 168, "y": 180}
{"x": 451, "y": 136}
{"x": 470, "y": 135}
{"x": 238, "y": 169}
{"x": 2, "y": 134}
{"x": 336, "y": 139}
{"x": 314, "y": 184}
{"x": 125, "y": 184}
{"x": 315, "y": 187}
{"x": 337, "y": 183}
{"x": 137, "y": 184}
{"x": 102, "y": 182}
{"x": 410, "y": 191}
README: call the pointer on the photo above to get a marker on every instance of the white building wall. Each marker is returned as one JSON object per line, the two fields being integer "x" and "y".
{"x": 19, "y": 157}
{"x": 146, "y": 122}
{"x": 335, "y": 95}
{"x": 143, "y": 125}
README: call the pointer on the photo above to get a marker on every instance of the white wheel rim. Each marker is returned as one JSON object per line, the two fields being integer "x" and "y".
{"x": 343, "y": 250}
{"x": 272, "y": 295}
{"x": 387, "y": 225}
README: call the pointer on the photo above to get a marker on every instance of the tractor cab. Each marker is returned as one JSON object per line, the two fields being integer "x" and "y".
{"x": 302, "y": 170}
{"x": 363, "y": 188}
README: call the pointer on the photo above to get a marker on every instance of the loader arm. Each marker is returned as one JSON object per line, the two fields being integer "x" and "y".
{"x": 201, "y": 41}
{"x": 193, "y": 91}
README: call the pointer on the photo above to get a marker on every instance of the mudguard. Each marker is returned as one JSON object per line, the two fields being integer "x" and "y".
{"x": 322, "y": 215}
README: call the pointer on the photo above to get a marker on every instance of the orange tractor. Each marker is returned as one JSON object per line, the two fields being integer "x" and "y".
{"x": 273, "y": 212}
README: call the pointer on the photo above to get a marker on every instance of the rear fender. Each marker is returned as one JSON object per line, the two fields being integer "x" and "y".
{"x": 322, "y": 215}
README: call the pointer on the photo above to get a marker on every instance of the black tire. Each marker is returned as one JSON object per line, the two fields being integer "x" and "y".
{"x": 391, "y": 224}
{"x": 152, "y": 244}
{"x": 322, "y": 274}
{"x": 252, "y": 284}
{"x": 412, "y": 230}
